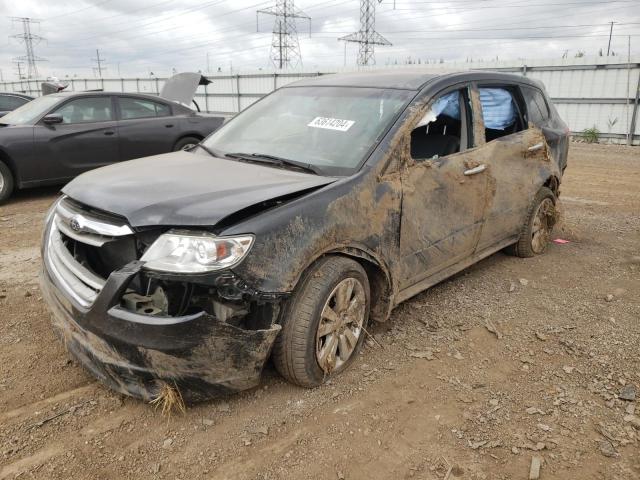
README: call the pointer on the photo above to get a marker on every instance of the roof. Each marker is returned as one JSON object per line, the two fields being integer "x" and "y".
{"x": 100, "y": 92}
{"x": 16, "y": 94}
{"x": 403, "y": 79}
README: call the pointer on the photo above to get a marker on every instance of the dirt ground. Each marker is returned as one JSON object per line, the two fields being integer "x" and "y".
{"x": 440, "y": 397}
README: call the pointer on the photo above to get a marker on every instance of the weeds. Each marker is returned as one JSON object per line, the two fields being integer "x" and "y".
{"x": 168, "y": 399}
{"x": 591, "y": 135}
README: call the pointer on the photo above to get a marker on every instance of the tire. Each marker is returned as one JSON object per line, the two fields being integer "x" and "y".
{"x": 300, "y": 351}
{"x": 536, "y": 231}
{"x": 185, "y": 143}
{"x": 6, "y": 182}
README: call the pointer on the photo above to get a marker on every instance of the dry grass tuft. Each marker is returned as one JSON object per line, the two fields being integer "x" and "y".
{"x": 168, "y": 399}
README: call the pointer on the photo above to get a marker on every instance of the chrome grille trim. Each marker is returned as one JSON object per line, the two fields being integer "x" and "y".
{"x": 77, "y": 281}
{"x": 71, "y": 222}
{"x": 89, "y": 224}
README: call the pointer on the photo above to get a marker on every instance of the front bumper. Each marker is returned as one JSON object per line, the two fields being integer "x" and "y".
{"x": 134, "y": 354}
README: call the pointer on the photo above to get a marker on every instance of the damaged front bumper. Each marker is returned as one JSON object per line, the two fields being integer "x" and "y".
{"x": 135, "y": 354}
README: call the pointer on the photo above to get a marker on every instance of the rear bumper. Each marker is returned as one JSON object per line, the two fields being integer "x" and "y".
{"x": 134, "y": 354}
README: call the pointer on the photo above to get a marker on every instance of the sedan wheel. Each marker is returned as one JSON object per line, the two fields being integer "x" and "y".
{"x": 340, "y": 324}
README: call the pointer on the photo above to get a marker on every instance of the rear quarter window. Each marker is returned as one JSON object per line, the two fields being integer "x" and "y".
{"x": 537, "y": 109}
{"x": 131, "y": 108}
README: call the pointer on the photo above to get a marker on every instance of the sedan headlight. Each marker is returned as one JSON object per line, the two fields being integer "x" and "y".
{"x": 195, "y": 252}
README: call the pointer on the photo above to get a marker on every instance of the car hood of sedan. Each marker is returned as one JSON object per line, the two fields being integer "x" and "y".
{"x": 185, "y": 189}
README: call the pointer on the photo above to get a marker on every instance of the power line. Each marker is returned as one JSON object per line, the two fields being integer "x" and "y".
{"x": 78, "y": 11}
{"x": 367, "y": 36}
{"x": 285, "y": 47}
{"x": 491, "y": 29}
{"x": 29, "y": 39}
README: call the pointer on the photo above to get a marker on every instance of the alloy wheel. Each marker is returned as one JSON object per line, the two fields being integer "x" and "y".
{"x": 341, "y": 324}
{"x": 542, "y": 223}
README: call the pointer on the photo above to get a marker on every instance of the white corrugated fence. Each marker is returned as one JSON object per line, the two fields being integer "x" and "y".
{"x": 600, "y": 92}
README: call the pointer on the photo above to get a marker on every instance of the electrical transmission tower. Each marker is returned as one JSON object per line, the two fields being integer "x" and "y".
{"x": 29, "y": 39}
{"x": 285, "y": 48}
{"x": 367, "y": 36}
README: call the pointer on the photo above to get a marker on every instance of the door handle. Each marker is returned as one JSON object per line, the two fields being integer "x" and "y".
{"x": 109, "y": 132}
{"x": 473, "y": 171}
{"x": 170, "y": 125}
{"x": 537, "y": 146}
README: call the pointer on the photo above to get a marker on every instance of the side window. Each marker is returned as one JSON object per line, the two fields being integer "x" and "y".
{"x": 9, "y": 102}
{"x": 140, "y": 108}
{"x": 500, "y": 112}
{"x": 85, "y": 110}
{"x": 443, "y": 130}
{"x": 537, "y": 110}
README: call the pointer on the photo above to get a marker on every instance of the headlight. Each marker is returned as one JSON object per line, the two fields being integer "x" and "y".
{"x": 195, "y": 252}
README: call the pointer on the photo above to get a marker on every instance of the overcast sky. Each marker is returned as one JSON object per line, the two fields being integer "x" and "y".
{"x": 137, "y": 37}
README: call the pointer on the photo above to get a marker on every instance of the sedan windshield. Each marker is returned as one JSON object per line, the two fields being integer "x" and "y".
{"x": 329, "y": 128}
{"x": 30, "y": 112}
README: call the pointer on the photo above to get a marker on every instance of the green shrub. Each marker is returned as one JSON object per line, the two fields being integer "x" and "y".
{"x": 591, "y": 135}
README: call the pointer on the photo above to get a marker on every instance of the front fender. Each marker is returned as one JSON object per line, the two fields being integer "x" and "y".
{"x": 361, "y": 213}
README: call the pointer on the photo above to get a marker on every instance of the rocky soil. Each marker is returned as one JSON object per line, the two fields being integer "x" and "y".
{"x": 513, "y": 369}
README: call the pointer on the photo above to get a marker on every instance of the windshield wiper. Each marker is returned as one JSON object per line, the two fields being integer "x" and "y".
{"x": 206, "y": 149}
{"x": 273, "y": 160}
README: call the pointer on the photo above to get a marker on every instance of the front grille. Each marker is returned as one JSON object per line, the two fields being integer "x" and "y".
{"x": 73, "y": 231}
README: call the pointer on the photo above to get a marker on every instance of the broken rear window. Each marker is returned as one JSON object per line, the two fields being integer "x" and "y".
{"x": 332, "y": 128}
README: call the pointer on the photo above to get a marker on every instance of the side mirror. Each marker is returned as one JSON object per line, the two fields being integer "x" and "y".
{"x": 52, "y": 119}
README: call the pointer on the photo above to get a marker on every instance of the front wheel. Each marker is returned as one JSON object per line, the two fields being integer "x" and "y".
{"x": 536, "y": 231}
{"x": 324, "y": 322}
{"x": 6, "y": 182}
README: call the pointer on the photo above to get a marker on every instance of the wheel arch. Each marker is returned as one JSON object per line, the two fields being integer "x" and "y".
{"x": 378, "y": 274}
{"x": 553, "y": 184}
{"x": 184, "y": 135}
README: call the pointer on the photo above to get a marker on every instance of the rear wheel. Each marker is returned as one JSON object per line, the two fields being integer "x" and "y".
{"x": 6, "y": 182}
{"x": 536, "y": 232}
{"x": 186, "y": 143}
{"x": 324, "y": 322}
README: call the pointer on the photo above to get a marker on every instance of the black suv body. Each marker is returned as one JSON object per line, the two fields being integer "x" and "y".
{"x": 354, "y": 193}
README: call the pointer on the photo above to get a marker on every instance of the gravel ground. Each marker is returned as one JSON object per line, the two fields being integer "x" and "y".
{"x": 510, "y": 363}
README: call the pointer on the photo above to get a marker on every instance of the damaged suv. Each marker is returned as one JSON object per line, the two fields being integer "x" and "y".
{"x": 320, "y": 207}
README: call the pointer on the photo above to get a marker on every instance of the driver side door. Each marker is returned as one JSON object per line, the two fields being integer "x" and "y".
{"x": 87, "y": 138}
{"x": 444, "y": 189}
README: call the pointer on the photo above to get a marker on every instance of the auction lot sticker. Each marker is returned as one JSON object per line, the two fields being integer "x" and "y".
{"x": 331, "y": 123}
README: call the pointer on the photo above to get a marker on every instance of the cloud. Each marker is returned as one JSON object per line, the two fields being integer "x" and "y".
{"x": 145, "y": 36}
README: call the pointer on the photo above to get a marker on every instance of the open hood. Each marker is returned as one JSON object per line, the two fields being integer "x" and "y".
{"x": 182, "y": 87}
{"x": 185, "y": 189}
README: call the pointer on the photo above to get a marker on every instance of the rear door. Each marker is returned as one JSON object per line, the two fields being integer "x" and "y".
{"x": 516, "y": 153}
{"x": 541, "y": 114}
{"x": 87, "y": 138}
{"x": 443, "y": 188}
{"x": 145, "y": 127}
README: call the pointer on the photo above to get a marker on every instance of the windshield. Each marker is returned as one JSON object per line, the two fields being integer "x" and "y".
{"x": 330, "y": 128}
{"x": 30, "y": 112}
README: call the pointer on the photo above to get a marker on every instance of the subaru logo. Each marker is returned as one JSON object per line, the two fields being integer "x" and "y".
{"x": 75, "y": 224}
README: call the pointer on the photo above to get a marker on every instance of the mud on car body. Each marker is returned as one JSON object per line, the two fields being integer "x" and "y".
{"x": 319, "y": 208}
